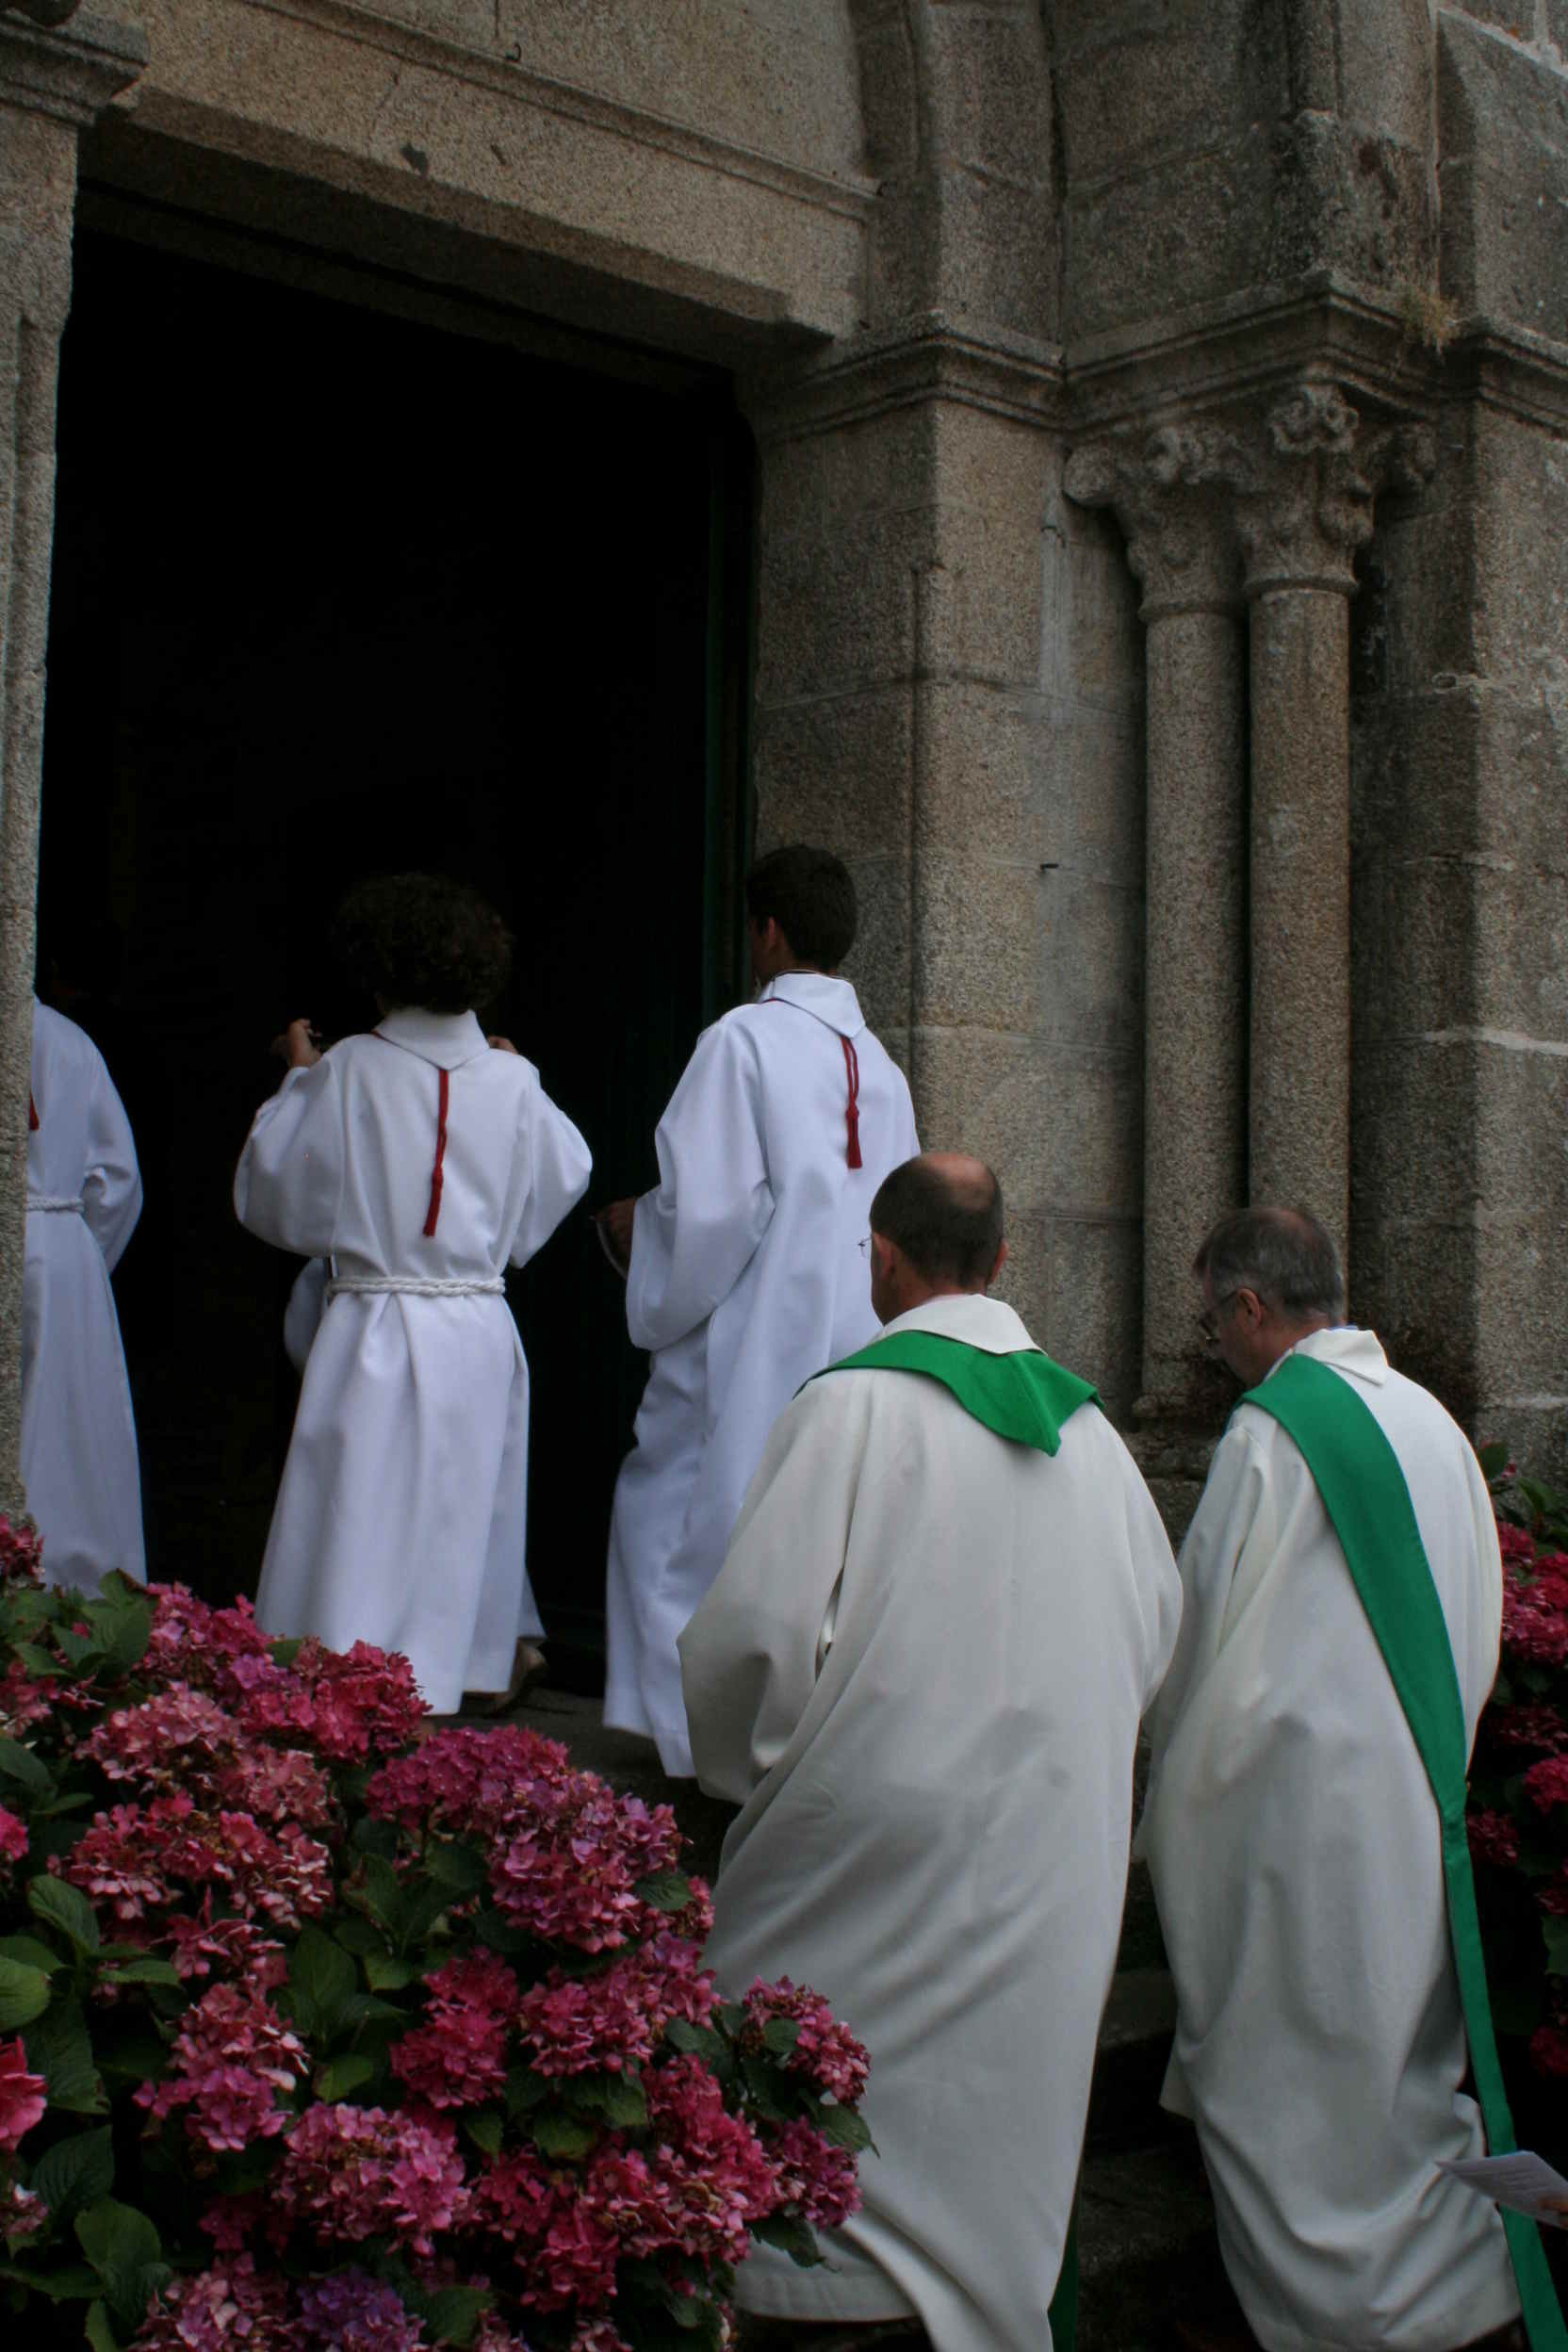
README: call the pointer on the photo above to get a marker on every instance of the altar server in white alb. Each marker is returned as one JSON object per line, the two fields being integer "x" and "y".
{"x": 947, "y": 1604}
{"x": 423, "y": 1161}
{"x": 1294, "y": 1839}
{"x": 747, "y": 1270}
{"x": 84, "y": 1196}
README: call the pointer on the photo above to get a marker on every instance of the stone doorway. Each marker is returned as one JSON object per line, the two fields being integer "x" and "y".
{"x": 335, "y": 590}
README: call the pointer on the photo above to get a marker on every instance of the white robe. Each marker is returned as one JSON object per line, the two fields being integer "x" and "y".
{"x": 401, "y": 1518}
{"x": 746, "y": 1278}
{"x": 84, "y": 1196}
{"x": 938, "y": 1808}
{"x": 1293, "y": 1842}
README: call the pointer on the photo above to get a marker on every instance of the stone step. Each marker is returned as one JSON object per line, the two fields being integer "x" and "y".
{"x": 1147, "y": 2250}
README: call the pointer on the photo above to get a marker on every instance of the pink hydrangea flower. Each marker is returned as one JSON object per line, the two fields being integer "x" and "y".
{"x": 825, "y": 2051}
{"x": 1539, "y": 1728}
{"x": 1550, "y": 2050}
{"x": 13, "y": 1836}
{"x": 1493, "y": 1837}
{"x": 231, "y": 2057}
{"x": 699, "y": 2185}
{"x": 232, "y": 2304}
{"x": 202, "y": 1946}
{"x": 170, "y": 1739}
{"x": 23, "y": 1702}
{"x": 346, "y": 1706}
{"x": 816, "y": 2178}
{"x": 351, "y": 2173}
{"x": 471, "y": 1782}
{"x": 22, "y": 2095}
{"x": 20, "y": 1551}
{"x": 589, "y": 2024}
{"x": 513, "y": 2197}
{"x": 1546, "y": 1783}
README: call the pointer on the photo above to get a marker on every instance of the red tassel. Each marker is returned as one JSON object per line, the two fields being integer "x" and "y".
{"x": 32, "y": 1112}
{"x": 852, "y": 1067}
{"x": 437, "y": 1177}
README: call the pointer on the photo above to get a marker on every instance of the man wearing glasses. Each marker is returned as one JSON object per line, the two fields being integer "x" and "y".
{"x": 1342, "y": 1602}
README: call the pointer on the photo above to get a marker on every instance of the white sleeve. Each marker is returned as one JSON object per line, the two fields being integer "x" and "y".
{"x": 560, "y": 1164}
{"x": 750, "y": 1655}
{"x": 694, "y": 1236}
{"x": 288, "y": 1186}
{"x": 111, "y": 1185}
{"x": 1234, "y": 1522}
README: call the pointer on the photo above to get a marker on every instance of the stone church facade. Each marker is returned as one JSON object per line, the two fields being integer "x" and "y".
{"x": 1162, "y": 584}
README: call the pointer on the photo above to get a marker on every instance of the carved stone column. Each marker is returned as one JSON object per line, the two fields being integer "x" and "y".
{"x": 1305, "y": 508}
{"x": 54, "y": 78}
{"x": 1167, "y": 489}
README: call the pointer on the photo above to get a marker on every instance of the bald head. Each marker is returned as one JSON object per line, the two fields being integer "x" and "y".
{"x": 939, "y": 1219}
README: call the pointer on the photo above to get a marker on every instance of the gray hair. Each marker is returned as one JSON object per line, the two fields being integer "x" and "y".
{"x": 1283, "y": 1254}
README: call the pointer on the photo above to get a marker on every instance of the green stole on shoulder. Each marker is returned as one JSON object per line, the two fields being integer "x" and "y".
{"x": 1024, "y": 1397}
{"x": 1364, "y": 1490}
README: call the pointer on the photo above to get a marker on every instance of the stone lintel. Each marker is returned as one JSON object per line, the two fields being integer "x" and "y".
{"x": 69, "y": 71}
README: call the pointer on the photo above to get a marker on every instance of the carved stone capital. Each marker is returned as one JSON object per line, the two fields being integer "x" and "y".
{"x": 1311, "y": 472}
{"x": 1168, "y": 491}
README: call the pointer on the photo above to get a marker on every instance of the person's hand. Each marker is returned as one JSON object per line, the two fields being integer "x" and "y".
{"x": 501, "y": 1045}
{"x": 615, "y": 1224}
{"x": 299, "y": 1045}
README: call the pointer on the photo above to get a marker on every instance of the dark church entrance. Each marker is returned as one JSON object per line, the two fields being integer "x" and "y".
{"x": 334, "y": 591}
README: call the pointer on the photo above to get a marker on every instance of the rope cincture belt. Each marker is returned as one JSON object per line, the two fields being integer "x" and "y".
{"x": 54, "y": 1204}
{"x": 413, "y": 1286}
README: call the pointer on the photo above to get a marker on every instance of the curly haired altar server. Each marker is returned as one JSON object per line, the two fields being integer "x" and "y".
{"x": 745, "y": 1268}
{"x": 423, "y": 1162}
{"x": 84, "y": 1196}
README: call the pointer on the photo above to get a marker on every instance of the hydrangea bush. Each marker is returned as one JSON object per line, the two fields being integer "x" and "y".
{"x": 313, "y": 2035}
{"x": 1519, "y": 1794}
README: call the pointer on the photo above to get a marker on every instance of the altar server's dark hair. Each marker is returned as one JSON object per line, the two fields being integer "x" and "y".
{"x": 810, "y": 895}
{"x": 1284, "y": 1255}
{"x": 422, "y": 938}
{"x": 949, "y": 1228}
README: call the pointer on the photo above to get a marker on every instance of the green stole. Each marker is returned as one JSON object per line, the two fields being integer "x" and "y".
{"x": 1364, "y": 1490}
{"x": 1024, "y": 1397}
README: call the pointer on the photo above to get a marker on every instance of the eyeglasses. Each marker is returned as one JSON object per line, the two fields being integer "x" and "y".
{"x": 863, "y": 1245}
{"x": 1208, "y": 1318}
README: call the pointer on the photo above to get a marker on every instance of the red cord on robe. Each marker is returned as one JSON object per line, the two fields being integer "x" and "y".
{"x": 32, "y": 1112}
{"x": 437, "y": 1176}
{"x": 852, "y": 1067}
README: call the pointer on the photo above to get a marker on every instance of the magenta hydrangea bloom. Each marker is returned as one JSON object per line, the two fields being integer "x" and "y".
{"x": 352, "y": 2172}
{"x": 816, "y": 2178}
{"x": 231, "y": 2057}
{"x": 827, "y": 2052}
{"x": 214, "y": 2311}
{"x": 13, "y": 1836}
{"x": 21, "y": 2094}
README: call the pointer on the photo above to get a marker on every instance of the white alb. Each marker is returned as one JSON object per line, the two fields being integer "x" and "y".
{"x": 79, "y": 1462}
{"x": 921, "y": 1673}
{"x": 1294, "y": 1841}
{"x": 748, "y": 1276}
{"x": 401, "y": 1518}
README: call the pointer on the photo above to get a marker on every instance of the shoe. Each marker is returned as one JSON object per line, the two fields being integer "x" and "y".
{"x": 528, "y": 1668}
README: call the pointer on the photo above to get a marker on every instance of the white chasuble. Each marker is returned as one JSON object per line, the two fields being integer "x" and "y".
{"x": 1295, "y": 1846}
{"x": 921, "y": 1673}
{"x": 422, "y": 1163}
{"x": 79, "y": 1462}
{"x": 747, "y": 1277}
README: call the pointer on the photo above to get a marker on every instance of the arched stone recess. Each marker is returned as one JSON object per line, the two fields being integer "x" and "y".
{"x": 949, "y": 681}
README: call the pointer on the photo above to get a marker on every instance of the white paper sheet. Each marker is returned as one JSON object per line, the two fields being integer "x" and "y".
{"x": 1522, "y": 2183}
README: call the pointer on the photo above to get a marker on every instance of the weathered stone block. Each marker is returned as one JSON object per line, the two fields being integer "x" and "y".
{"x": 1090, "y": 766}
{"x": 1092, "y": 1321}
{"x": 1090, "y": 962}
{"x": 990, "y": 68}
{"x": 1468, "y": 771}
{"x": 977, "y": 776}
{"x": 880, "y": 964}
{"x": 839, "y": 613}
{"x": 1062, "y": 1129}
{"x": 837, "y": 770}
{"x": 1503, "y": 174}
{"x": 1413, "y": 1148}
{"x": 975, "y": 946}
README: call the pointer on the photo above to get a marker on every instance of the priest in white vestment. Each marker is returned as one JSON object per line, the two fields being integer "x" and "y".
{"x": 423, "y": 1161}
{"x": 80, "y": 1464}
{"x": 921, "y": 1673}
{"x": 1295, "y": 1846}
{"x": 747, "y": 1270}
